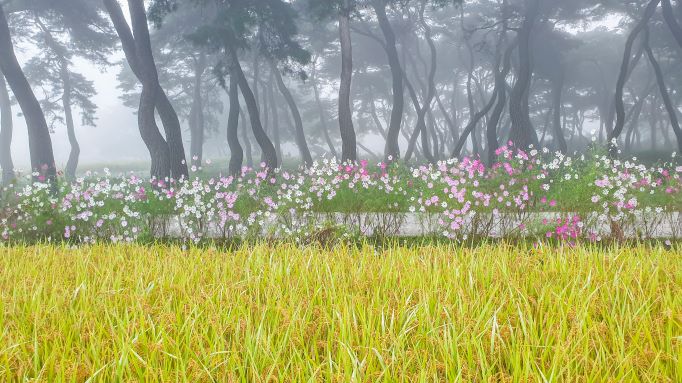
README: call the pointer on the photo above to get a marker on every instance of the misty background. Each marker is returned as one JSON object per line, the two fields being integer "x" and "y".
{"x": 585, "y": 39}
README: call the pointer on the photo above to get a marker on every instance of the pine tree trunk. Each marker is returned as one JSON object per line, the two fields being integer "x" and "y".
{"x": 669, "y": 106}
{"x": 72, "y": 163}
{"x": 623, "y": 76}
{"x": 472, "y": 125}
{"x": 494, "y": 120}
{"x": 236, "y": 152}
{"x": 275, "y": 124}
{"x": 392, "y": 150}
{"x": 431, "y": 89}
{"x": 248, "y": 152}
{"x": 197, "y": 113}
{"x": 634, "y": 120}
{"x": 173, "y": 131}
{"x": 269, "y": 153}
{"x": 320, "y": 110}
{"x": 149, "y": 98}
{"x": 557, "y": 90}
{"x": 39, "y": 141}
{"x": 6, "y": 127}
{"x": 138, "y": 52}
{"x": 348, "y": 139}
{"x": 653, "y": 125}
{"x": 522, "y": 132}
{"x": 420, "y": 128}
{"x": 452, "y": 127}
{"x": 673, "y": 24}
{"x": 298, "y": 122}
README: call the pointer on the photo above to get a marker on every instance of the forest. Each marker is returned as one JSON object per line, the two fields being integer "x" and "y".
{"x": 290, "y": 82}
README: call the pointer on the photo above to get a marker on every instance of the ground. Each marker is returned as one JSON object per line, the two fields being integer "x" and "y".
{"x": 444, "y": 312}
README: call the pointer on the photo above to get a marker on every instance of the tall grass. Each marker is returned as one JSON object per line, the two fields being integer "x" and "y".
{"x": 442, "y": 313}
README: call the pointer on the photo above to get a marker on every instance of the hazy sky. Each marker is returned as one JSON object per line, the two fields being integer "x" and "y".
{"x": 115, "y": 137}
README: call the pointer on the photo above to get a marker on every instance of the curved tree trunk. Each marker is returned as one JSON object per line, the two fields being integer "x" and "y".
{"x": 248, "y": 152}
{"x": 72, "y": 163}
{"x": 557, "y": 90}
{"x": 6, "y": 127}
{"x": 452, "y": 126}
{"x": 669, "y": 17}
{"x": 493, "y": 123}
{"x": 67, "y": 91}
{"x": 420, "y": 129}
{"x": 173, "y": 131}
{"x": 236, "y": 152}
{"x": 196, "y": 116}
{"x": 169, "y": 118}
{"x": 298, "y": 122}
{"x": 653, "y": 124}
{"x": 320, "y": 110}
{"x": 160, "y": 149}
{"x": 138, "y": 52}
{"x": 672, "y": 110}
{"x": 266, "y": 109}
{"x": 494, "y": 120}
{"x": 431, "y": 88}
{"x": 39, "y": 141}
{"x": 472, "y": 125}
{"x": 622, "y": 77}
{"x": 275, "y": 123}
{"x": 157, "y": 146}
{"x": 349, "y": 151}
{"x": 522, "y": 132}
{"x": 373, "y": 112}
{"x": 473, "y": 115}
{"x": 269, "y": 153}
{"x": 635, "y": 113}
{"x": 392, "y": 150}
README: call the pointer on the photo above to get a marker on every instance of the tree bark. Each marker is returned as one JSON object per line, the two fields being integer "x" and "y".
{"x": 39, "y": 141}
{"x": 349, "y": 151}
{"x": 622, "y": 77}
{"x": 6, "y": 127}
{"x": 522, "y": 132}
{"x": 392, "y": 150}
{"x": 236, "y": 152}
{"x": 298, "y": 122}
{"x": 269, "y": 153}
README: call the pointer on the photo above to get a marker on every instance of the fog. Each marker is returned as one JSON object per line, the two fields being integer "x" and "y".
{"x": 115, "y": 137}
{"x": 427, "y": 79}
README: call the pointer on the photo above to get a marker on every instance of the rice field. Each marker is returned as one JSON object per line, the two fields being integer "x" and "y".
{"x": 264, "y": 313}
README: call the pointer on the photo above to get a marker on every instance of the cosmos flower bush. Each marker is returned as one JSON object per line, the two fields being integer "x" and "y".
{"x": 534, "y": 194}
